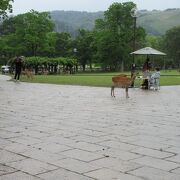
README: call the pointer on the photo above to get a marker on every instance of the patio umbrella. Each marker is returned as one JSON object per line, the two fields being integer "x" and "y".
{"x": 148, "y": 51}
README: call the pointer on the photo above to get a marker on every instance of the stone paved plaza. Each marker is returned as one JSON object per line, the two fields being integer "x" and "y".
{"x": 56, "y": 132}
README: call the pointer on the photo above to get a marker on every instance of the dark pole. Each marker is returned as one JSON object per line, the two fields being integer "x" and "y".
{"x": 75, "y": 54}
{"x": 133, "y": 66}
{"x": 134, "y": 40}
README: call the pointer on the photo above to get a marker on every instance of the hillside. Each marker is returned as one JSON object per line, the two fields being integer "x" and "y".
{"x": 158, "y": 22}
{"x": 155, "y": 22}
{"x": 71, "y": 21}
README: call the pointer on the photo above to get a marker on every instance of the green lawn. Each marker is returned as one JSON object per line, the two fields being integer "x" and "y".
{"x": 99, "y": 79}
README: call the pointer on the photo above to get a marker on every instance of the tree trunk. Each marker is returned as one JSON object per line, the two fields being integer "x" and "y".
{"x": 36, "y": 69}
{"x": 122, "y": 66}
{"x": 55, "y": 69}
{"x": 76, "y": 68}
{"x": 84, "y": 67}
{"x": 90, "y": 64}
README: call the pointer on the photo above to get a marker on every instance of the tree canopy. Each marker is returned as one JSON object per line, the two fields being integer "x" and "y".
{"x": 5, "y": 5}
{"x": 114, "y": 35}
{"x": 107, "y": 45}
{"x": 27, "y": 33}
{"x": 31, "y": 30}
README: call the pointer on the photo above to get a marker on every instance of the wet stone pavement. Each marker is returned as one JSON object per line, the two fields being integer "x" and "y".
{"x": 56, "y": 132}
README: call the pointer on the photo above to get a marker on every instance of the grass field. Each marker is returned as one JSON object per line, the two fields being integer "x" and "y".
{"x": 99, "y": 79}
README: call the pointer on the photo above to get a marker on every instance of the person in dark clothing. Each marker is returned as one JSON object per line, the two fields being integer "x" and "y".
{"x": 147, "y": 65}
{"x": 133, "y": 69}
{"x": 146, "y": 73}
{"x": 18, "y": 67}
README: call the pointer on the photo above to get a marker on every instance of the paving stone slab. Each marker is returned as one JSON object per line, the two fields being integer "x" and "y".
{"x": 63, "y": 174}
{"x": 152, "y": 153}
{"x": 75, "y": 165}
{"x": 6, "y": 170}
{"x": 119, "y": 154}
{"x": 154, "y": 174}
{"x": 175, "y": 158}
{"x": 115, "y": 164}
{"x": 156, "y": 163}
{"x": 177, "y": 171}
{"x": 107, "y": 174}
{"x": 17, "y": 148}
{"x": 43, "y": 156}
{"x": 118, "y": 145}
{"x": 18, "y": 176}
{"x": 52, "y": 147}
{"x": 6, "y": 157}
{"x": 32, "y": 166}
{"x": 82, "y": 155}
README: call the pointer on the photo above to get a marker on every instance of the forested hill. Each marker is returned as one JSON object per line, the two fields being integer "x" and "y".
{"x": 158, "y": 22}
{"x": 71, "y": 21}
{"x": 155, "y": 22}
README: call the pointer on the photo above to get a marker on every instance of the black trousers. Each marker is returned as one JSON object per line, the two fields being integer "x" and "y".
{"x": 132, "y": 73}
{"x": 145, "y": 84}
{"x": 17, "y": 74}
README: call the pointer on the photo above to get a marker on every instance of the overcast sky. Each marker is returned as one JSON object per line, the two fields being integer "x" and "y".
{"x": 22, "y": 6}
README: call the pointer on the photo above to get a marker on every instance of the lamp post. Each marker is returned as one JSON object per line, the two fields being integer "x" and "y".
{"x": 134, "y": 15}
{"x": 133, "y": 66}
{"x": 75, "y": 50}
{"x": 75, "y": 54}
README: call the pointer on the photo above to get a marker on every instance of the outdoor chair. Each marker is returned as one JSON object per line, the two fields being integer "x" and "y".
{"x": 154, "y": 83}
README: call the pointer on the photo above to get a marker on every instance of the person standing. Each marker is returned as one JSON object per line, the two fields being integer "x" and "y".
{"x": 133, "y": 69}
{"x": 18, "y": 67}
{"x": 147, "y": 65}
{"x": 146, "y": 73}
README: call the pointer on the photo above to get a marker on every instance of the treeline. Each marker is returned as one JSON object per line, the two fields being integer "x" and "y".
{"x": 107, "y": 46}
{"x": 155, "y": 22}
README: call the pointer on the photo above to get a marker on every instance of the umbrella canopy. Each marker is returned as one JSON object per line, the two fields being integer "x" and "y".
{"x": 148, "y": 50}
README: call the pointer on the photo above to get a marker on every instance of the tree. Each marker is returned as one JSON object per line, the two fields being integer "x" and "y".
{"x": 153, "y": 41}
{"x": 172, "y": 44}
{"x": 63, "y": 44}
{"x": 31, "y": 31}
{"x": 48, "y": 48}
{"x": 5, "y": 5}
{"x": 115, "y": 35}
{"x": 107, "y": 49}
{"x": 84, "y": 48}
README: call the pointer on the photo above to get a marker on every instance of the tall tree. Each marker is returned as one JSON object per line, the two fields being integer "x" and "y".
{"x": 32, "y": 29}
{"x": 115, "y": 34}
{"x": 5, "y": 5}
{"x": 84, "y": 48}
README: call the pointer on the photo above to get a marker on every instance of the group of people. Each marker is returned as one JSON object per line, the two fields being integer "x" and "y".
{"x": 148, "y": 77}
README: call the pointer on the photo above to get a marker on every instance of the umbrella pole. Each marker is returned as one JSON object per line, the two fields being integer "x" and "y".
{"x": 164, "y": 63}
